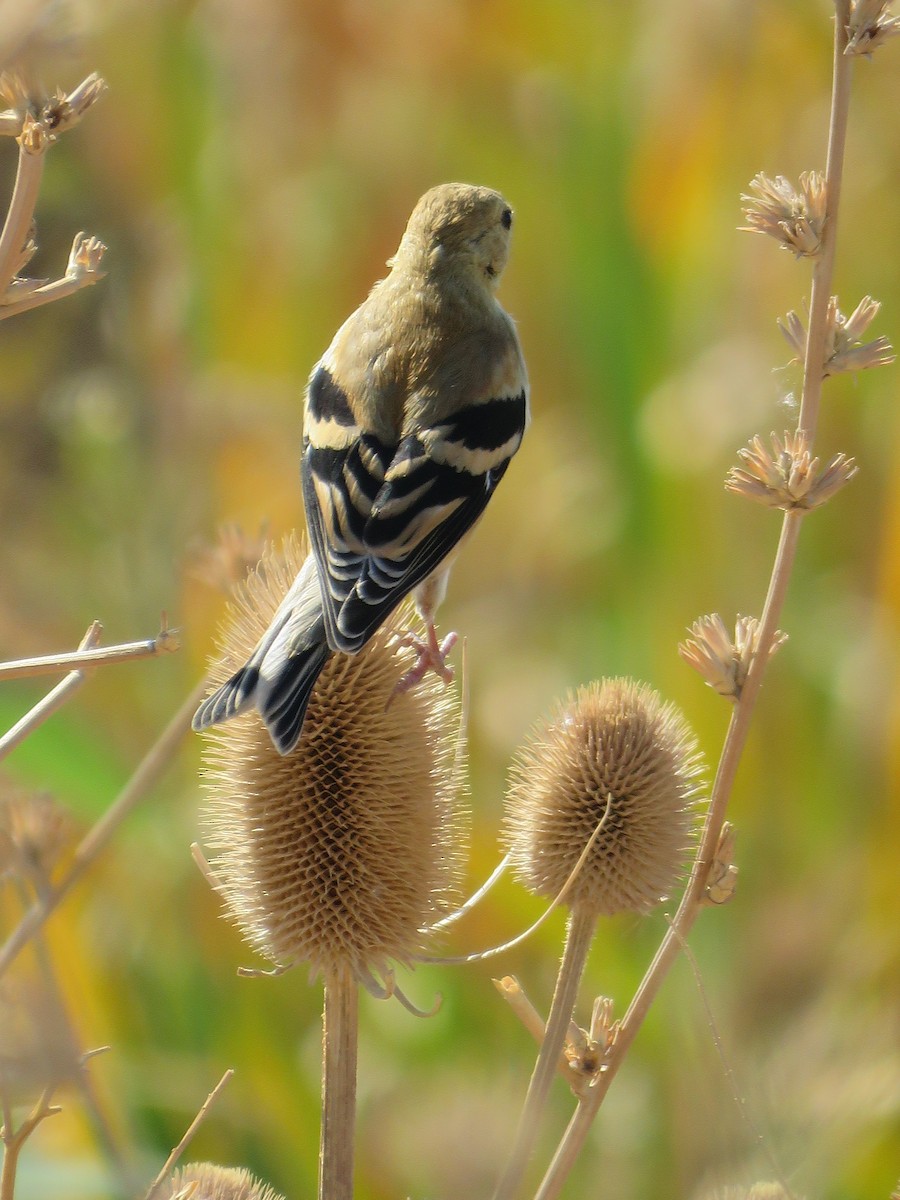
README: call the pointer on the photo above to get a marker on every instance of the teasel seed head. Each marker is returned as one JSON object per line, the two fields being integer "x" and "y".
{"x": 342, "y": 852}
{"x": 211, "y": 1182}
{"x": 758, "y": 1191}
{"x": 224, "y": 563}
{"x": 614, "y": 743}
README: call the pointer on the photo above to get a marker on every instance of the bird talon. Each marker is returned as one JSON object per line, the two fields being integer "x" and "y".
{"x": 431, "y": 655}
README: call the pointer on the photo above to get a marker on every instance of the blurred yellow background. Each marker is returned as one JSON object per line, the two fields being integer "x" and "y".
{"x": 251, "y": 168}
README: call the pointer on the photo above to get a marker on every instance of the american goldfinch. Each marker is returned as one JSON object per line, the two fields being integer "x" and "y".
{"x": 412, "y": 416}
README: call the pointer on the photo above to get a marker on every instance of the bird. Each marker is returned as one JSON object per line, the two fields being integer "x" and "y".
{"x": 412, "y": 416}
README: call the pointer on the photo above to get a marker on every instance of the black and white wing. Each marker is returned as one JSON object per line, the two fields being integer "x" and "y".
{"x": 382, "y": 518}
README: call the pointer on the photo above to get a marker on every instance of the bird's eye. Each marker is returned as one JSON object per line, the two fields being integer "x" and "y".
{"x": 506, "y": 218}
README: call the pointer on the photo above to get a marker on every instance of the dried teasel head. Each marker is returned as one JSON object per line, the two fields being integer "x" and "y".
{"x": 342, "y": 852}
{"x": 207, "y": 1181}
{"x": 224, "y": 563}
{"x": 614, "y": 752}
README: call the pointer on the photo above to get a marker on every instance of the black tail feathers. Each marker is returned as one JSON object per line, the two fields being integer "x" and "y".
{"x": 284, "y": 708}
{"x": 231, "y": 698}
{"x": 282, "y": 701}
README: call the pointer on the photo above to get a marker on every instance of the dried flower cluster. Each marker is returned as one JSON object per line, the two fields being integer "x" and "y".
{"x": 844, "y": 348}
{"x": 586, "y": 1049}
{"x": 787, "y": 476}
{"x": 723, "y": 662}
{"x": 722, "y": 876}
{"x": 795, "y": 219}
{"x": 34, "y": 831}
{"x": 869, "y": 26}
{"x": 615, "y": 748}
{"x": 342, "y": 852}
{"x": 38, "y": 123}
{"x": 207, "y": 1181}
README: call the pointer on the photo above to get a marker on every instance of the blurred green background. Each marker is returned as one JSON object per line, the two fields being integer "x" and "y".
{"x": 250, "y": 169}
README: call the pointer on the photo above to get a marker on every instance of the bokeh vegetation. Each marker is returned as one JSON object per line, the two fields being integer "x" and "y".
{"x": 251, "y": 168}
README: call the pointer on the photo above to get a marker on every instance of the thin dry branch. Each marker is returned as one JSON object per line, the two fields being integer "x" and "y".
{"x": 82, "y": 271}
{"x": 189, "y": 1134}
{"x": 165, "y": 642}
{"x": 36, "y": 125}
{"x": 144, "y": 778}
{"x": 14, "y": 1139}
{"x": 54, "y": 699}
{"x": 20, "y": 214}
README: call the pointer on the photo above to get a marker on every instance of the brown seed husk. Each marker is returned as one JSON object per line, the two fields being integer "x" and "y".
{"x": 615, "y": 738}
{"x": 340, "y": 853}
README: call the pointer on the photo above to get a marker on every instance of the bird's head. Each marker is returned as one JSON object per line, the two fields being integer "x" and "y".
{"x": 457, "y": 228}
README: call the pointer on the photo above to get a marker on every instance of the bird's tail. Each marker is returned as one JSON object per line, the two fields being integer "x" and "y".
{"x": 281, "y": 673}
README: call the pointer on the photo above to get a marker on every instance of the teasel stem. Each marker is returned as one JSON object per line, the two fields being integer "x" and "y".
{"x": 340, "y": 1029}
{"x": 579, "y": 934}
{"x": 588, "y": 1105}
{"x": 692, "y": 901}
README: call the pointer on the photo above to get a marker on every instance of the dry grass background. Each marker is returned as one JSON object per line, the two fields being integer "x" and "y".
{"x": 250, "y": 170}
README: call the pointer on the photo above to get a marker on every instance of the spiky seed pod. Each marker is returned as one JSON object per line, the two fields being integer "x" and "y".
{"x": 341, "y": 852}
{"x": 614, "y": 740}
{"x": 759, "y": 1191}
{"x": 216, "y": 1183}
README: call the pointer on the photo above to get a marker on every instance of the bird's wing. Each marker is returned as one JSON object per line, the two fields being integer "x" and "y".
{"x": 382, "y": 518}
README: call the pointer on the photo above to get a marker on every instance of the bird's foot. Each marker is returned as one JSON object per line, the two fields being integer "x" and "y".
{"x": 431, "y": 655}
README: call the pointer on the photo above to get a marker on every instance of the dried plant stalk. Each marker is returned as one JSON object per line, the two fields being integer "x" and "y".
{"x": 148, "y": 772}
{"x": 89, "y": 654}
{"x": 14, "y": 1139}
{"x": 36, "y": 125}
{"x": 694, "y": 897}
{"x": 156, "y": 1188}
{"x": 340, "y": 1030}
